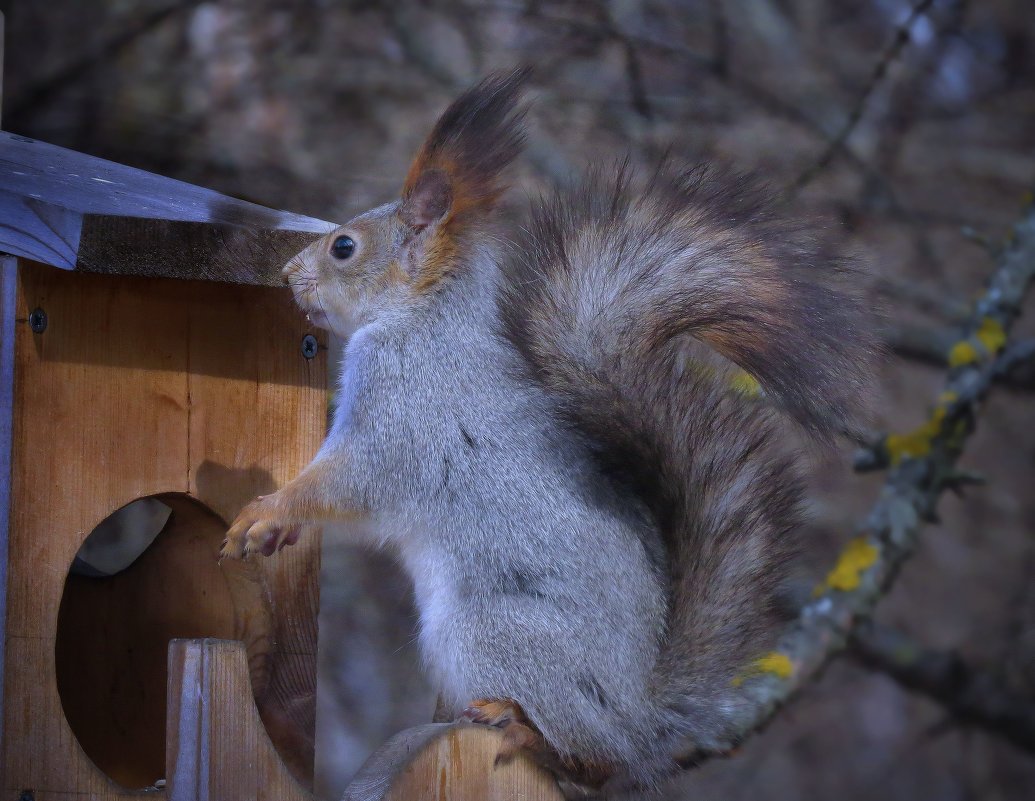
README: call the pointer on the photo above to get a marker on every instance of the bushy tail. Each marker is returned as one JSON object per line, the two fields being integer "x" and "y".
{"x": 605, "y": 301}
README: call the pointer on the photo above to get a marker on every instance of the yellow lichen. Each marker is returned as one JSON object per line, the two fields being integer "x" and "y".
{"x": 991, "y": 334}
{"x": 962, "y": 353}
{"x": 745, "y": 383}
{"x": 858, "y": 556}
{"x": 918, "y": 442}
{"x": 773, "y": 663}
{"x": 776, "y": 663}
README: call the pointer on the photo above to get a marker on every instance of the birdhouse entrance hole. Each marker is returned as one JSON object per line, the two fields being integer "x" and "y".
{"x": 147, "y": 574}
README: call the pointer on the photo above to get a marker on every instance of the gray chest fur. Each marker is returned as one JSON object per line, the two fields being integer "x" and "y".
{"x": 531, "y": 582}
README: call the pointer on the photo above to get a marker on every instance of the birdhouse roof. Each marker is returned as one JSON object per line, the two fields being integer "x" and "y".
{"x": 78, "y": 212}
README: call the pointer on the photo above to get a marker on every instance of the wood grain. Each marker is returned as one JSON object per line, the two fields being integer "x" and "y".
{"x": 218, "y": 747}
{"x": 140, "y": 387}
{"x": 449, "y": 762}
{"x": 8, "y": 311}
{"x": 234, "y": 457}
{"x": 109, "y": 406}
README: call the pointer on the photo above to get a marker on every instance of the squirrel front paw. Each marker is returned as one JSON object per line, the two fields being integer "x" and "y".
{"x": 260, "y": 528}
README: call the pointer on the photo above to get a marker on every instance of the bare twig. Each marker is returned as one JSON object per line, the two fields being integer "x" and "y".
{"x": 920, "y": 343}
{"x": 891, "y": 53}
{"x": 923, "y": 465}
{"x": 43, "y": 90}
{"x": 926, "y": 298}
{"x": 633, "y": 66}
{"x": 720, "y": 38}
{"x": 1016, "y": 366}
{"x": 971, "y": 696}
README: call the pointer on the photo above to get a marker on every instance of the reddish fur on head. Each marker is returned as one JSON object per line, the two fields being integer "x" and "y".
{"x": 456, "y": 178}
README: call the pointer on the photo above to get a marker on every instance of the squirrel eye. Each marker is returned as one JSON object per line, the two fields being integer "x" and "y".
{"x": 343, "y": 247}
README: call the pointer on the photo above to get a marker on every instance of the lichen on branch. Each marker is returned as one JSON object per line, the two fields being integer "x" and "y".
{"x": 921, "y": 465}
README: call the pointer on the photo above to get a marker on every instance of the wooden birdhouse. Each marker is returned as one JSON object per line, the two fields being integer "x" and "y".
{"x": 151, "y": 364}
{"x": 155, "y": 376}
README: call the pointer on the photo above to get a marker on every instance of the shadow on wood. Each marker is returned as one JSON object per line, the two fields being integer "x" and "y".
{"x": 113, "y": 638}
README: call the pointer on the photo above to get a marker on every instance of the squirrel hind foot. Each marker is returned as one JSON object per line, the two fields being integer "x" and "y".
{"x": 579, "y": 778}
{"x": 497, "y": 712}
{"x": 519, "y": 734}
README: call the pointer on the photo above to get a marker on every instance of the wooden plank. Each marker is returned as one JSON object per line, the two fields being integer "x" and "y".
{"x": 71, "y": 210}
{"x": 218, "y": 749}
{"x": 449, "y": 762}
{"x": 136, "y": 387}
{"x": 100, "y": 419}
{"x": 236, "y": 456}
{"x": 8, "y": 304}
{"x": 241, "y": 253}
{"x": 134, "y": 390}
{"x": 216, "y": 729}
{"x": 88, "y": 437}
{"x": 36, "y": 230}
{"x": 8, "y": 310}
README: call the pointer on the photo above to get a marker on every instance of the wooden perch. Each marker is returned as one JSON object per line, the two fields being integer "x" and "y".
{"x": 78, "y": 212}
{"x": 218, "y": 750}
{"x": 449, "y": 762}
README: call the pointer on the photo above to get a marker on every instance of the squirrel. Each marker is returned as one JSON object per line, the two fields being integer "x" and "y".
{"x": 543, "y": 430}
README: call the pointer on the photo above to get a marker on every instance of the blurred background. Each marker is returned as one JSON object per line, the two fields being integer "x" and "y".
{"x": 907, "y": 128}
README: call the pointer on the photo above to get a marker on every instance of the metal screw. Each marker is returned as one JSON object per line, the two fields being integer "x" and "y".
{"x": 309, "y": 346}
{"x": 38, "y": 320}
{"x": 27, "y": 795}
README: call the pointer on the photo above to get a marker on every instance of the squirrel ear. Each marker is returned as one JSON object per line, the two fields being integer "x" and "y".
{"x": 427, "y": 201}
{"x": 471, "y": 144}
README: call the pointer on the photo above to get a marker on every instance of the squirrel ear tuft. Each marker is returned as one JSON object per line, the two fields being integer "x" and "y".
{"x": 471, "y": 144}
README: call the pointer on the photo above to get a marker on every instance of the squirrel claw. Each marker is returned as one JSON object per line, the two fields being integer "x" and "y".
{"x": 493, "y": 713}
{"x": 257, "y": 530}
{"x": 518, "y": 732}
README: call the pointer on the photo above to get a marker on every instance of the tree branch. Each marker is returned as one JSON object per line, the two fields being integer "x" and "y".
{"x": 46, "y": 88}
{"x": 1015, "y": 368}
{"x": 925, "y": 297}
{"x": 972, "y": 696}
{"x": 923, "y": 465}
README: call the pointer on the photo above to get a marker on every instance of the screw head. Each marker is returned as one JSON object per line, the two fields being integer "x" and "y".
{"x": 38, "y": 320}
{"x": 27, "y": 795}
{"x": 309, "y": 346}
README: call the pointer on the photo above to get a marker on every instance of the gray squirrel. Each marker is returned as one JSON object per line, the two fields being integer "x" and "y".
{"x": 544, "y": 431}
